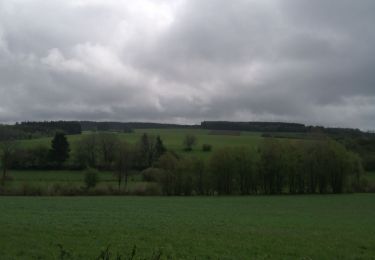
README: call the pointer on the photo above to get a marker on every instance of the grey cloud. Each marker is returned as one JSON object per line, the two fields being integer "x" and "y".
{"x": 188, "y": 60}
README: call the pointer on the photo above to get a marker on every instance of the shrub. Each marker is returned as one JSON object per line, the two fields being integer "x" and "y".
{"x": 60, "y": 189}
{"x": 361, "y": 186}
{"x": 151, "y": 174}
{"x": 31, "y": 190}
{"x": 99, "y": 192}
{"x": 149, "y": 189}
{"x": 206, "y": 147}
{"x": 55, "y": 190}
{"x": 91, "y": 178}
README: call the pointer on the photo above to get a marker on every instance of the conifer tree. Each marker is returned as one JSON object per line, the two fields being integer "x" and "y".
{"x": 59, "y": 149}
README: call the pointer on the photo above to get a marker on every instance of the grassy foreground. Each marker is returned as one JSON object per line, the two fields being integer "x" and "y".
{"x": 258, "y": 227}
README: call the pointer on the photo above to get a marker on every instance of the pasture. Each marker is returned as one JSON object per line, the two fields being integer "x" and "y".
{"x": 172, "y": 139}
{"x": 258, "y": 227}
{"x": 38, "y": 182}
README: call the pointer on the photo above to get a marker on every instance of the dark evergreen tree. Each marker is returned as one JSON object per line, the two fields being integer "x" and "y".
{"x": 159, "y": 148}
{"x": 59, "y": 149}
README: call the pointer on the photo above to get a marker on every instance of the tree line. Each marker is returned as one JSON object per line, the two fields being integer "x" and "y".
{"x": 49, "y": 127}
{"x": 275, "y": 167}
{"x": 254, "y": 126}
{"x": 128, "y": 126}
{"x": 31, "y": 130}
{"x": 279, "y": 127}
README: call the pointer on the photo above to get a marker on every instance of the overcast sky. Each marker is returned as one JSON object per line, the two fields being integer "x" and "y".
{"x": 184, "y": 61}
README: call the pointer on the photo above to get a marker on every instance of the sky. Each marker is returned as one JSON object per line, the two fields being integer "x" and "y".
{"x": 185, "y": 61}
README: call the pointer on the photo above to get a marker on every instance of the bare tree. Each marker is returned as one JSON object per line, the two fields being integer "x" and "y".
{"x": 108, "y": 143}
{"x": 189, "y": 141}
{"x": 7, "y": 150}
{"x": 123, "y": 162}
{"x": 87, "y": 150}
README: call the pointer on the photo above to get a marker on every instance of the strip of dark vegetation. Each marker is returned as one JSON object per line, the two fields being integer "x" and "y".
{"x": 128, "y": 126}
{"x": 76, "y": 127}
{"x": 48, "y": 128}
{"x": 254, "y": 126}
{"x": 280, "y": 127}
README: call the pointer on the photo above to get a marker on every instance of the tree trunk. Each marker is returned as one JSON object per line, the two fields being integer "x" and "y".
{"x": 126, "y": 179}
{"x": 119, "y": 180}
{"x": 4, "y": 175}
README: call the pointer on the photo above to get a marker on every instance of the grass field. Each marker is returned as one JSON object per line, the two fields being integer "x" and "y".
{"x": 259, "y": 227}
{"x": 47, "y": 180}
{"x": 173, "y": 139}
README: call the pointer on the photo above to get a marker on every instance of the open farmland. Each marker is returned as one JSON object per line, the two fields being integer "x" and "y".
{"x": 173, "y": 139}
{"x": 259, "y": 227}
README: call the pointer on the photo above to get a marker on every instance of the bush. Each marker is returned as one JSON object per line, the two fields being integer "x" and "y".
{"x": 206, "y": 147}
{"x": 151, "y": 174}
{"x": 32, "y": 190}
{"x": 361, "y": 186}
{"x": 149, "y": 189}
{"x": 91, "y": 178}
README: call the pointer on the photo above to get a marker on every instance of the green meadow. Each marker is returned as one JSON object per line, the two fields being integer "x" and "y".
{"x": 257, "y": 227}
{"x": 173, "y": 139}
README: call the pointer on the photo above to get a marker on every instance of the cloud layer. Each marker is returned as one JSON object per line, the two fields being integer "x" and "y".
{"x": 188, "y": 60}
